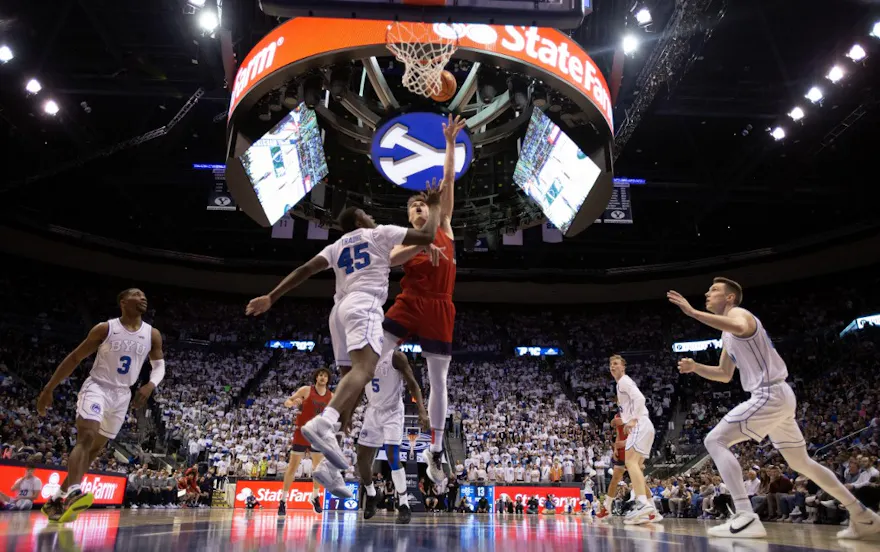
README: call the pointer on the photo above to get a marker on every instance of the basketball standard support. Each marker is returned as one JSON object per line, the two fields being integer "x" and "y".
{"x": 380, "y": 85}
{"x": 490, "y": 112}
{"x": 467, "y": 90}
{"x": 357, "y": 107}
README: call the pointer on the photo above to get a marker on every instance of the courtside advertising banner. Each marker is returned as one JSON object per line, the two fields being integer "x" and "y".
{"x": 564, "y": 496}
{"x": 109, "y": 489}
{"x": 268, "y": 494}
{"x": 547, "y": 50}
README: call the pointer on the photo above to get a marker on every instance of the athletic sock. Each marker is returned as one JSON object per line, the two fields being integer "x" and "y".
{"x": 331, "y": 415}
{"x": 642, "y": 499}
{"x": 403, "y": 500}
{"x": 399, "y": 479}
{"x": 436, "y": 440}
{"x": 314, "y": 495}
{"x": 743, "y": 505}
{"x": 371, "y": 489}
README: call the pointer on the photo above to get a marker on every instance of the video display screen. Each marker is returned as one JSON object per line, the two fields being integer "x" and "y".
{"x": 286, "y": 162}
{"x": 553, "y": 171}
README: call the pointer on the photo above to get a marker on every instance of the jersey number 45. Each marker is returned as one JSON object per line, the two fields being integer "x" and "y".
{"x": 354, "y": 258}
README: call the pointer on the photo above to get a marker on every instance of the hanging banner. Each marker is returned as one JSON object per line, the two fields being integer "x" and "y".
{"x": 619, "y": 210}
{"x": 550, "y": 234}
{"x": 317, "y": 232}
{"x": 283, "y": 229}
{"x": 516, "y": 238}
{"x": 220, "y": 199}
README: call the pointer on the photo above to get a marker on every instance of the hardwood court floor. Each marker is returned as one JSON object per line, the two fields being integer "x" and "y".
{"x": 232, "y": 530}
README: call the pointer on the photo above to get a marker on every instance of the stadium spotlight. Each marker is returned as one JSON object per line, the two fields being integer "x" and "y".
{"x": 196, "y": 3}
{"x": 51, "y": 107}
{"x": 630, "y": 44}
{"x": 835, "y": 74}
{"x": 778, "y": 133}
{"x": 643, "y": 17}
{"x": 875, "y": 31}
{"x": 856, "y": 53}
{"x": 5, "y": 53}
{"x": 796, "y": 114}
{"x": 814, "y": 95}
{"x": 33, "y": 86}
{"x": 208, "y": 21}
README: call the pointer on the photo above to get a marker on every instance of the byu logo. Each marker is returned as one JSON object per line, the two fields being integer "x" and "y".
{"x": 409, "y": 150}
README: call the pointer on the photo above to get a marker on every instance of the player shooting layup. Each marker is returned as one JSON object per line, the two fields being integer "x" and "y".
{"x": 640, "y": 436}
{"x": 311, "y": 400}
{"x": 383, "y": 426}
{"x": 361, "y": 259}
{"x": 122, "y": 346}
{"x": 770, "y": 411}
{"x": 424, "y": 306}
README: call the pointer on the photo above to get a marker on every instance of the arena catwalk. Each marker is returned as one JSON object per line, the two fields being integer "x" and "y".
{"x": 232, "y": 530}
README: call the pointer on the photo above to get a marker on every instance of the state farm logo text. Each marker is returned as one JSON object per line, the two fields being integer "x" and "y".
{"x": 541, "y": 49}
{"x": 261, "y": 63}
{"x": 267, "y": 495}
{"x": 101, "y": 490}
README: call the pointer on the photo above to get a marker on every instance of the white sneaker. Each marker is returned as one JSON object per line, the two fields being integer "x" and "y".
{"x": 322, "y": 435}
{"x": 640, "y": 513}
{"x": 331, "y": 479}
{"x": 743, "y": 525}
{"x": 866, "y": 523}
{"x": 796, "y": 511}
{"x": 435, "y": 469}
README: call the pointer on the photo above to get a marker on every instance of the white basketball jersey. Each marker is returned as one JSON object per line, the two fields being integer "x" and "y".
{"x": 632, "y": 402}
{"x": 120, "y": 357}
{"x": 362, "y": 260}
{"x": 385, "y": 390}
{"x": 756, "y": 358}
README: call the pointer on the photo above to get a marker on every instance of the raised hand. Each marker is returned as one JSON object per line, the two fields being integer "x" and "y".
{"x": 452, "y": 127}
{"x": 679, "y": 301}
{"x": 435, "y": 253}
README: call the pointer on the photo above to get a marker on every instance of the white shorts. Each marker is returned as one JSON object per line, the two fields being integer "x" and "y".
{"x": 641, "y": 437}
{"x": 355, "y": 322}
{"x": 381, "y": 427}
{"x": 104, "y": 404}
{"x": 771, "y": 411}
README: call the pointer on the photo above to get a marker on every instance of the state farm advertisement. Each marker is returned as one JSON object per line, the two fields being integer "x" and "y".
{"x": 109, "y": 490}
{"x": 564, "y": 496}
{"x": 268, "y": 494}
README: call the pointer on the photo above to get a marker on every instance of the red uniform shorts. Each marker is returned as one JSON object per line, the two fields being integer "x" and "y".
{"x": 430, "y": 318}
{"x": 300, "y": 443}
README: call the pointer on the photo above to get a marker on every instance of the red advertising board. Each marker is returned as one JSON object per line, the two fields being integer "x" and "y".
{"x": 565, "y": 496}
{"x": 109, "y": 489}
{"x": 268, "y": 494}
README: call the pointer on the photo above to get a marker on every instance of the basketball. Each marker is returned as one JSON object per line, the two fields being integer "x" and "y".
{"x": 448, "y": 87}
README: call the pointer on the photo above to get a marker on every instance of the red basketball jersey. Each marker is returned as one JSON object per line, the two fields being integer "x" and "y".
{"x": 621, "y": 436}
{"x": 312, "y": 406}
{"x": 420, "y": 277}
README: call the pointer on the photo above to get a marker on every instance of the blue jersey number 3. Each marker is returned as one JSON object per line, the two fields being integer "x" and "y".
{"x": 354, "y": 258}
{"x": 126, "y": 365}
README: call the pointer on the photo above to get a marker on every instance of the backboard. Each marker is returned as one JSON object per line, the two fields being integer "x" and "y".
{"x": 560, "y": 14}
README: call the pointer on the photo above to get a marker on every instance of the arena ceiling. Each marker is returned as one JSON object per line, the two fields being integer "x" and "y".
{"x": 696, "y": 102}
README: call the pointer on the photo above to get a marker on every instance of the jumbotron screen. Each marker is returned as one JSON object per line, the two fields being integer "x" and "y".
{"x": 286, "y": 162}
{"x": 553, "y": 171}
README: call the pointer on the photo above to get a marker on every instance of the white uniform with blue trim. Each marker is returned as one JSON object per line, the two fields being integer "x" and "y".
{"x": 361, "y": 260}
{"x": 632, "y": 405}
{"x": 383, "y": 420}
{"x": 106, "y": 393}
{"x": 772, "y": 408}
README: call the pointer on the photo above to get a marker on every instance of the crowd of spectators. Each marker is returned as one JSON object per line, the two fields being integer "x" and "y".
{"x": 521, "y": 419}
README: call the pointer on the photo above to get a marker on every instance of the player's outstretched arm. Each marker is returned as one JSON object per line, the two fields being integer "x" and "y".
{"x": 261, "y": 304}
{"x": 723, "y": 372}
{"x": 451, "y": 128}
{"x": 401, "y": 364}
{"x": 297, "y": 398}
{"x": 426, "y": 234}
{"x": 157, "y": 370}
{"x": 90, "y": 344}
{"x": 737, "y": 321}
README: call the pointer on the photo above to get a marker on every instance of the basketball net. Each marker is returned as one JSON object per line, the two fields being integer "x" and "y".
{"x": 423, "y": 53}
{"x": 412, "y": 441}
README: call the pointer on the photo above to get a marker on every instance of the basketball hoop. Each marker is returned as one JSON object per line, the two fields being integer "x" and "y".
{"x": 423, "y": 53}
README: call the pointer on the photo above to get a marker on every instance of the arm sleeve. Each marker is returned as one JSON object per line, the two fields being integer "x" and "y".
{"x": 157, "y": 371}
